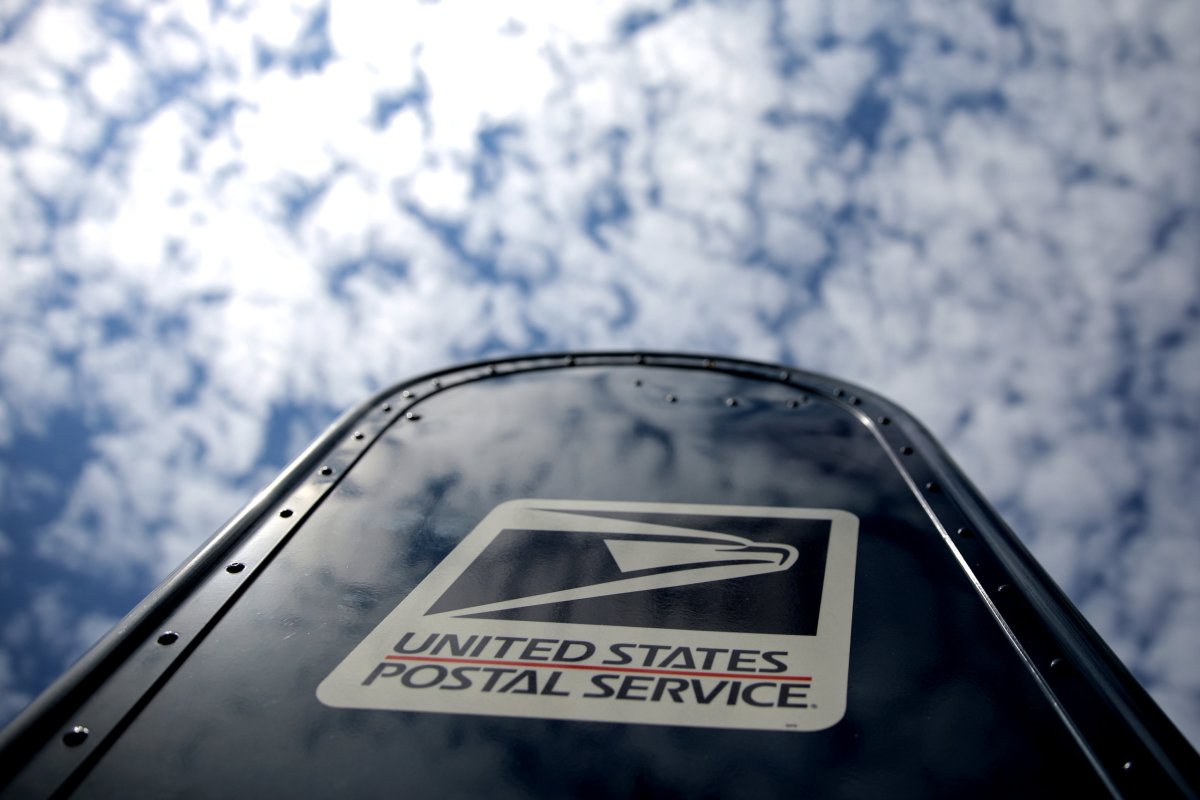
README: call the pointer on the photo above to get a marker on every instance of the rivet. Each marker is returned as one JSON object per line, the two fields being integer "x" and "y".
{"x": 235, "y": 567}
{"x": 731, "y": 401}
{"x": 838, "y": 393}
{"x": 570, "y": 361}
{"x": 490, "y": 370}
{"x": 1128, "y": 765}
{"x": 1057, "y": 663}
{"x": 639, "y": 359}
{"x": 387, "y": 407}
{"x": 784, "y": 375}
{"x": 76, "y": 736}
{"x": 671, "y": 398}
{"x": 932, "y": 488}
{"x": 358, "y": 434}
{"x": 326, "y": 470}
{"x": 287, "y": 512}
{"x": 168, "y": 637}
{"x": 966, "y": 533}
{"x": 793, "y": 404}
{"x": 406, "y": 394}
{"x": 412, "y": 416}
{"x": 853, "y": 400}
{"x": 435, "y": 383}
{"x": 709, "y": 363}
{"x": 906, "y": 450}
{"x": 885, "y": 421}
{"x": 1004, "y": 588}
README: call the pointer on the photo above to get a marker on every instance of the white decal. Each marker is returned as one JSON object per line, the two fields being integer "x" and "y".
{"x": 652, "y": 613}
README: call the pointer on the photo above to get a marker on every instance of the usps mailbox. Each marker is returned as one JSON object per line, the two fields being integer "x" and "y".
{"x": 606, "y": 575}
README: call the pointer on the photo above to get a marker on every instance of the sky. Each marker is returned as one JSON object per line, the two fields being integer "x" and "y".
{"x": 223, "y": 223}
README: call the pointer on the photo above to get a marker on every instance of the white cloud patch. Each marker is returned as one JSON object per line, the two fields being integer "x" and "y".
{"x": 52, "y": 628}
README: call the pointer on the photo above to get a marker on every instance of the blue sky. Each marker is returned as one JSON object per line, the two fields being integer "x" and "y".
{"x": 222, "y": 223}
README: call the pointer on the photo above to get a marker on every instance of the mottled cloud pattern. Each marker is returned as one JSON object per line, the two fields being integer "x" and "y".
{"x": 222, "y": 223}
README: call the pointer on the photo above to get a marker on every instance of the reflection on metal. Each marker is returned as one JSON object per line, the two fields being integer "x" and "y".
{"x": 968, "y": 671}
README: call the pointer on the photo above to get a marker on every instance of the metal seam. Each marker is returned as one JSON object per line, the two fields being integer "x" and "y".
{"x": 1039, "y": 679}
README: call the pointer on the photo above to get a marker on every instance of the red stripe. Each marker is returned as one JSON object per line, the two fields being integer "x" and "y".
{"x": 599, "y": 668}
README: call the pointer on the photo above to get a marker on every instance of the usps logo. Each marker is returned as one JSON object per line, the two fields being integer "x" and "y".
{"x": 648, "y": 613}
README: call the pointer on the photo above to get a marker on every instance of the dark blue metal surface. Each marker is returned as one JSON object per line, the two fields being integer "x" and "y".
{"x": 969, "y": 673}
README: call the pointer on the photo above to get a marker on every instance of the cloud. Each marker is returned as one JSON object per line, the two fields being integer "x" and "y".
{"x": 51, "y": 630}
